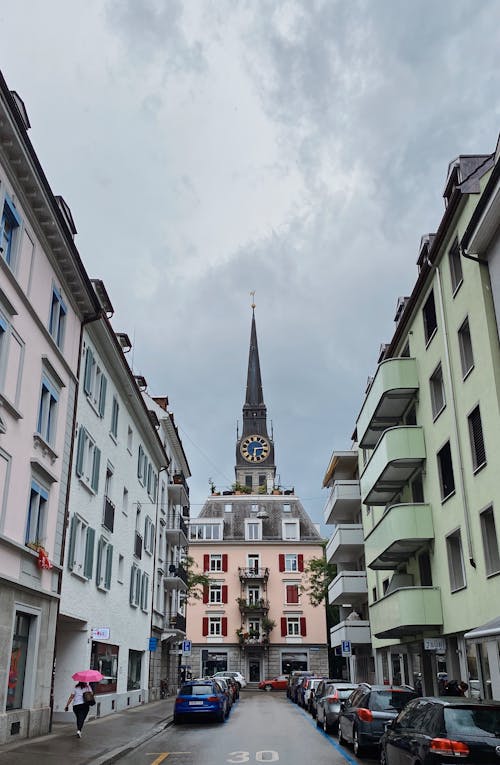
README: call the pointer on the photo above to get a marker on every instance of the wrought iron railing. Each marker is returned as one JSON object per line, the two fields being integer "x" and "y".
{"x": 109, "y": 514}
{"x": 138, "y": 545}
{"x": 253, "y": 572}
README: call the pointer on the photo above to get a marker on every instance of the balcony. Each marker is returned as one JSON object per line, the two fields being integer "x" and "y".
{"x": 109, "y": 514}
{"x": 176, "y": 577}
{"x": 407, "y": 611}
{"x": 344, "y": 503}
{"x": 346, "y": 544}
{"x": 177, "y": 531}
{"x": 357, "y": 632}
{"x": 138, "y": 545}
{"x": 397, "y": 456}
{"x": 258, "y": 607}
{"x": 401, "y": 531}
{"x": 177, "y": 622}
{"x": 395, "y": 385}
{"x": 254, "y": 574}
{"x": 178, "y": 490}
{"x": 348, "y": 587}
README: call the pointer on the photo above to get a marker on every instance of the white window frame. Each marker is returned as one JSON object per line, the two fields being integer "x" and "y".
{"x": 46, "y": 426}
{"x": 115, "y": 413}
{"x": 88, "y": 461}
{"x": 291, "y": 562}
{"x": 9, "y": 210}
{"x": 465, "y": 348}
{"x": 57, "y": 317}
{"x": 215, "y": 594}
{"x": 144, "y": 600}
{"x": 438, "y": 396}
{"x": 456, "y": 568}
{"x": 288, "y": 523}
{"x": 456, "y": 272}
{"x": 206, "y": 531}
{"x": 215, "y": 626}
{"x": 94, "y": 382}
{"x": 293, "y": 626}
{"x": 215, "y": 562}
{"x": 104, "y": 568}
{"x": 149, "y": 535}
{"x": 253, "y": 529}
{"x": 135, "y": 586}
{"x": 83, "y": 536}
{"x": 38, "y": 509}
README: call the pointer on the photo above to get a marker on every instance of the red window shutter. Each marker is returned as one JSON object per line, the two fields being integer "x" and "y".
{"x": 300, "y": 561}
{"x": 224, "y": 593}
{"x": 205, "y": 594}
{"x": 206, "y": 563}
{"x": 224, "y": 626}
{"x": 224, "y": 562}
{"x": 283, "y": 626}
{"x": 282, "y": 561}
{"x": 205, "y": 626}
{"x": 292, "y": 593}
{"x": 303, "y": 630}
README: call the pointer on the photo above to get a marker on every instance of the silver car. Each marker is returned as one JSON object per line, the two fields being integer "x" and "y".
{"x": 328, "y": 705}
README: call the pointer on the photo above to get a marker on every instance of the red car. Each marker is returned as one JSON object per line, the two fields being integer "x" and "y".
{"x": 275, "y": 684}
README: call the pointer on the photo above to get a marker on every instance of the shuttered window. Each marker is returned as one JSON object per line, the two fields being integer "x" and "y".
{"x": 429, "y": 317}
{"x": 292, "y": 593}
{"x": 445, "y": 466}
{"x": 104, "y": 564}
{"x": 476, "y": 439}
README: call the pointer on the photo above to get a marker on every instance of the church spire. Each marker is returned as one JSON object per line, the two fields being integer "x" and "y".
{"x": 254, "y": 394}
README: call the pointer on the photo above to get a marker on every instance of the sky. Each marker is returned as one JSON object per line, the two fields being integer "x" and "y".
{"x": 298, "y": 148}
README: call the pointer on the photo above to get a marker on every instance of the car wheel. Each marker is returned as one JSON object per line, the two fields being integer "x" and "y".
{"x": 177, "y": 720}
{"x": 220, "y": 716}
{"x": 326, "y": 727}
{"x": 357, "y": 747}
{"x": 268, "y": 687}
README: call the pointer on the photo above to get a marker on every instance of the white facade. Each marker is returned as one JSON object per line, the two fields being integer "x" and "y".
{"x": 110, "y": 542}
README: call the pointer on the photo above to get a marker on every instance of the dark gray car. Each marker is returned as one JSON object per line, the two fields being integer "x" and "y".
{"x": 363, "y": 716}
{"x": 328, "y": 705}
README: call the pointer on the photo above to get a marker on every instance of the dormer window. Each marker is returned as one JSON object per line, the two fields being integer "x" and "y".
{"x": 290, "y": 529}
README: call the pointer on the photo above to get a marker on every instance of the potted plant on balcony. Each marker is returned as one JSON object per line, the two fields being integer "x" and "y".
{"x": 242, "y": 603}
{"x": 268, "y": 625}
{"x": 238, "y": 488}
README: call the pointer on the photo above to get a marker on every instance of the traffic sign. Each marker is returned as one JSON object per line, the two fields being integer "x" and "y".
{"x": 346, "y": 648}
{"x": 186, "y": 647}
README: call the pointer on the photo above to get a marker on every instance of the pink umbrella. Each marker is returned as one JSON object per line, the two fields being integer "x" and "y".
{"x": 87, "y": 676}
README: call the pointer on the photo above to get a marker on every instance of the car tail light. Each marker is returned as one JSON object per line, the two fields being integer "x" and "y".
{"x": 178, "y": 701}
{"x": 333, "y": 698}
{"x": 213, "y": 698}
{"x": 364, "y": 714}
{"x": 449, "y": 748}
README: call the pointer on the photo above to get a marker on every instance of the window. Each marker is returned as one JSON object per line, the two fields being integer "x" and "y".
{"x": 47, "y": 408}
{"x": 215, "y": 593}
{"x": 37, "y": 514}
{"x": 134, "y": 670}
{"x": 374, "y": 594}
{"x": 141, "y": 465}
{"x": 94, "y": 383}
{"x": 291, "y": 562}
{"x": 476, "y": 439}
{"x": 149, "y": 535}
{"x": 130, "y": 439}
{"x": 144, "y": 591}
{"x": 125, "y": 501}
{"x": 293, "y": 626}
{"x": 9, "y": 227}
{"x": 438, "y": 401}
{"x": 490, "y": 542}
{"x": 104, "y": 657}
{"x": 455, "y": 561}
{"x": 104, "y": 564}
{"x": 57, "y": 317}
{"x": 465, "y": 346}
{"x": 253, "y": 530}
{"x": 253, "y": 595}
{"x": 287, "y": 508}
{"x": 248, "y": 481}
{"x": 135, "y": 586}
{"x": 385, "y": 586}
{"x": 456, "y": 274}
{"x": 215, "y": 562}
{"x": 417, "y": 489}
{"x": 115, "y": 409}
{"x": 445, "y": 467}
{"x": 121, "y": 564}
{"x": 88, "y": 459}
{"x": 205, "y": 531}
{"x": 292, "y": 593}
{"x": 11, "y": 361}
{"x": 429, "y": 316}
{"x": 18, "y": 660}
{"x": 81, "y": 547}
{"x": 290, "y": 529}
{"x": 228, "y": 508}
{"x": 215, "y": 625}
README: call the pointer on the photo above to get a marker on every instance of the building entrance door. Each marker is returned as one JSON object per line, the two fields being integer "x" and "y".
{"x": 254, "y": 669}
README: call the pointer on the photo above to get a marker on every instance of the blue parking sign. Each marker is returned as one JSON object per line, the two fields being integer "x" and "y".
{"x": 186, "y": 647}
{"x": 346, "y": 648}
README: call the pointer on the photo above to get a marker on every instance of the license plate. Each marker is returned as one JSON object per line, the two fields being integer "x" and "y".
{"x": 196, "y": 703}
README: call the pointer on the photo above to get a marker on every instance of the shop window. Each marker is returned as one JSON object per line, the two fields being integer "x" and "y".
{"x": 18, "y": 660}
{"x": 104, "y": 658}
{"x": 134, "y": 670}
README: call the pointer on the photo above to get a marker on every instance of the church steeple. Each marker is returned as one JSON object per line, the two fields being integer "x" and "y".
{"x": 254, "y": 449}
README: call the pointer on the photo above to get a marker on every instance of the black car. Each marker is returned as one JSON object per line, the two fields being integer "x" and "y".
{"x": 293, "y": 681}
{"x": 452, "y": 729}
{"x": 363, "y": 716}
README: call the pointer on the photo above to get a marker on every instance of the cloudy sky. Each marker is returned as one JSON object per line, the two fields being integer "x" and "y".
{"x": 297, "y": 148}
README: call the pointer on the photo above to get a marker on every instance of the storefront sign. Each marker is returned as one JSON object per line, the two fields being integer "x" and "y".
{"x": 100, "y": 633}
{"x": 435, "y": 644}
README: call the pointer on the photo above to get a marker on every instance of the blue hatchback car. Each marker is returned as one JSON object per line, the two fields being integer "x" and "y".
{"x": 201, "y": 697}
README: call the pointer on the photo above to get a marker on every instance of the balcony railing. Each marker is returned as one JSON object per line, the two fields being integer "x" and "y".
{"x": 109, "y": 514}
{"x": 259, "y": 606}
{"x": 175, "y": 570}
{"x": 177, "y": 622}
{"x": 253, "y": 572}
{"x": 138, "y": 545}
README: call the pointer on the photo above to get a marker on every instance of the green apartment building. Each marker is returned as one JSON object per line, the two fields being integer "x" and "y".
{"x": 428, "y": 439}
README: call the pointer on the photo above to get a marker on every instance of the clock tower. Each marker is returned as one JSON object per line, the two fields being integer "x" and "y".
{"x": 254, "y": 449}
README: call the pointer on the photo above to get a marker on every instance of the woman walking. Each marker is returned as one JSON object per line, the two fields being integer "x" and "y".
{"x": 80, "y": 706}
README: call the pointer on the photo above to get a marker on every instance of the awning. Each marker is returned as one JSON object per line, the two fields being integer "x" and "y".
{"x": 488, "y": 630}
{"x": 168, "y": 635}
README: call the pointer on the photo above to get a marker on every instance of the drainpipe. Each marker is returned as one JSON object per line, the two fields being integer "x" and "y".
{"x": 455, "y": 425}
{"x": 86, "y": 320}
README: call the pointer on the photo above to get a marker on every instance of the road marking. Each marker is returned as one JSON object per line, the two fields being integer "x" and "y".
{"x": 336, "y": 746}
{"x": 163, "y": 756}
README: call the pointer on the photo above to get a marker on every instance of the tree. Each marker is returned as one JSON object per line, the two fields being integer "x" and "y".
{"x": 318, "y": 575}
{"x": 196, "y": 581}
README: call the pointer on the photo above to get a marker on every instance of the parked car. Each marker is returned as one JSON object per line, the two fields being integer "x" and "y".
{"x": 363, "y": 715}
{"x": 301, "y": 689}
{"x": 237, "y": 676}
{"x": 435, "y": 729}
{"x": 234, "y": 686}
{"x": 274, "y": 684}
{"x": 201, "y": 697}
{"x": 320, "y": 691}
{"x": 328, "y": 705}
{"x": 226, "y": 688}
{"x": 308, "y": 692}
{"x": 293, "y": 682}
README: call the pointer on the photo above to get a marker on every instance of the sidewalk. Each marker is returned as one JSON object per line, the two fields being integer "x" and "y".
{"x": 104, "y": 740}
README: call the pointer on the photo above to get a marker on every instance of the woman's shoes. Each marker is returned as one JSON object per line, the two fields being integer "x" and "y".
{"x": 79, "y": 733}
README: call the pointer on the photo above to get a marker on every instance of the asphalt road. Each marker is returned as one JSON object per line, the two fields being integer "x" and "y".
{"x": 262, "y": 727}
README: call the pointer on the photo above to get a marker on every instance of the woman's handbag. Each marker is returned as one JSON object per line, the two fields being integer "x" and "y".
{"x": 88, "y": 698}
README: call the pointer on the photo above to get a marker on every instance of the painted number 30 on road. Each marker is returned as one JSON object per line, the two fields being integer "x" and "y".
{"x": 266, "y": 755}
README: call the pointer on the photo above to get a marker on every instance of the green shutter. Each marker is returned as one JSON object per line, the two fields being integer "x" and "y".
{"x": 72, "y": 539}
{"x": 132, "y": 583}
{"x": 89, "y": 553}
{"x": 109, "y": 566}
{"x": 87, "y": 380}
{"x": 139, "y": 464}
{"x": 80, "y": 451}
{"x": 95, "y": 469}
{"x": 102, "y": 395}
{"x": 98, "y": 568}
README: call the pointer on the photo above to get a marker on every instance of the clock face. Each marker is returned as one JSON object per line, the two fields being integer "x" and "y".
{"x": 255, "y": 448}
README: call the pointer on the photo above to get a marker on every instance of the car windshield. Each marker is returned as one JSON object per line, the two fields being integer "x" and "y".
{"x": 384, "y": 701}
{"x": 344, "y": 693}
{"x": 196, "y": 690}
{"x": 472, "y": 721}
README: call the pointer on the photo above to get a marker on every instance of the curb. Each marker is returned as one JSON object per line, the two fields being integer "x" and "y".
{"x": 121, "y": 751}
